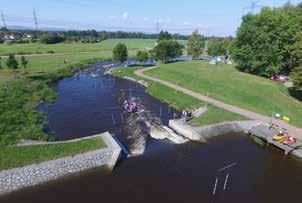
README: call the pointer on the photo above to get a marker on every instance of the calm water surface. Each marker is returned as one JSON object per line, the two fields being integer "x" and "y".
{"x": 166, "y": 172}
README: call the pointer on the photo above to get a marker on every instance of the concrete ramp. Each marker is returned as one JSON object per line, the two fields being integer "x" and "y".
{"x": 185, "y": 130}
{"x": 164, "y": 132}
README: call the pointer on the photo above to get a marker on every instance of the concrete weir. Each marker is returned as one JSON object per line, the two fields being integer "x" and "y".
{"x": 14, "y": 179}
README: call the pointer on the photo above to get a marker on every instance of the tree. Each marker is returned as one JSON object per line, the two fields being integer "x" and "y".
{"x": 164, "y": 35}
{"x": 120, "y": 52}
{"x": 142, "y": 56}
{"x": 52, "y": 38}
{"x": 24, "y": 63}
{"x": 219, "y": 46}
{"x": 265, "y": 43}
{"x": 167, "y": 50}
{"x": 195, "y": 45}
{"x": 11, "y": 62}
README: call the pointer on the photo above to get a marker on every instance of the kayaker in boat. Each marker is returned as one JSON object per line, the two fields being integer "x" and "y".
{"x": 130, "y": 107}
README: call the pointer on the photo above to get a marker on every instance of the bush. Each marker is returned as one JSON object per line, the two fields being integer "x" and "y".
{"x": 142, "y": 56}
{"x": 18, "y": 116}
{"x": 52, "y": 39}
{"x": 120, "y": 52}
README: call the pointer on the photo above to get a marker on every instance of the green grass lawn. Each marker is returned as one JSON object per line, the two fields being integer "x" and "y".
{"x": 39, "y": 64}
{"x": 225, "y": 83}
{"x": 106, "y": 45}
{"x": 12, "y": 156}
{"x": 181, "y": 101}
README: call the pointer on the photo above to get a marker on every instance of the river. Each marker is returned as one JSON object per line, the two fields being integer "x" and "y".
{"x": 90, "y": 104}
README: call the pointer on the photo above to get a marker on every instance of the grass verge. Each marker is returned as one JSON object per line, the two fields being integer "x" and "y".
{"x": 13, "y": 156}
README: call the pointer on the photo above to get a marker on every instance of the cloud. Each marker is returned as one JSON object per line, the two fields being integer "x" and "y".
{"x": 187, "y": 23}
{"x": 112, "y": 17}
{"x": 146, "y": 19}
{"x": 125, "y": 15}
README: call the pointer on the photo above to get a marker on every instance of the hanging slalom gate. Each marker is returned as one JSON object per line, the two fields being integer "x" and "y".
{"x": 222, "y": 179}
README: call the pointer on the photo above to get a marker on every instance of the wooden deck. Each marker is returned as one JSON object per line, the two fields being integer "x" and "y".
{"x": 266, "y": 133}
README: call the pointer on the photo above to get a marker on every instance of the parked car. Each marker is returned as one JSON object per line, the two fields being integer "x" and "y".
{"x": 280, "y": 78}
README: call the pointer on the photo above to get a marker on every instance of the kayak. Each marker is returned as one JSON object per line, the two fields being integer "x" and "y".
{"x": 279, "y": 137}
{"x": 289, "y": 141}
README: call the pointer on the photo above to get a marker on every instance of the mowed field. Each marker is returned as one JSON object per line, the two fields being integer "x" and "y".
{"x": 73, "y": 53}
{"x": 106, "y": 45}
{"x": 225, "y": 83}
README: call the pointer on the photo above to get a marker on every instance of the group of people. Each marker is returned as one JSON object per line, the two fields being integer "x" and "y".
{"x": 130, "y": 106}
{"x": 186, "y": 114}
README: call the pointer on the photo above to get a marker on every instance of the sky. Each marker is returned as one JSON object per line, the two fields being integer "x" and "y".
{"x": 211, "y": 17}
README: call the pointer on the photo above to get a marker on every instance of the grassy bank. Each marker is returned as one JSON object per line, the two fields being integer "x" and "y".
{"x": 225, "y": 83}
{"x": 12, "y": 156}
{"x": 181, "y": 101}
{"x": 52, "y": 64}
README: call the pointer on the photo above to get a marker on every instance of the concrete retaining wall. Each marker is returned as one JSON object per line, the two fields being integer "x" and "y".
{"x": 201, "y": 134}
{"x": 226, "y": 128}
{"x": 18, "y": 178}
{"x": 185, "y": 130}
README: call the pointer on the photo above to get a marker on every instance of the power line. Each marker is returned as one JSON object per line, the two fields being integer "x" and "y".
{"x": 3, "y": 20}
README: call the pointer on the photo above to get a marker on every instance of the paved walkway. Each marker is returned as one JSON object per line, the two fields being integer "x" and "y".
{"x": 294, "y": 131}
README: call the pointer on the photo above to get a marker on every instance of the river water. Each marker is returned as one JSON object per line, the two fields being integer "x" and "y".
{"x": 165, "y": 172}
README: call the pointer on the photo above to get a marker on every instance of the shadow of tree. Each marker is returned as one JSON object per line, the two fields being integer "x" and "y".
{"x": 296, "y": 93}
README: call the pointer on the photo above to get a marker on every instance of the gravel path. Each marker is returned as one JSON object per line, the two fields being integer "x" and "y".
{"x": 294, "y": 131}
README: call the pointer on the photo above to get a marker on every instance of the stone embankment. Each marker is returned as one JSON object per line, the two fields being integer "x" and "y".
{"x": 31, "y": 175}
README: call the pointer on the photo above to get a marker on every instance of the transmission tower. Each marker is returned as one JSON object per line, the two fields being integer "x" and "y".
{"x": 3, "y": 20}
{"x": 252, "y": 8}
{"x": 35, "y": 20}
{"x": 157, "y": 27}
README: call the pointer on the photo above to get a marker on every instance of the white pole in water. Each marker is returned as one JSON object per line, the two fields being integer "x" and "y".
{"x": 160, "y": 111}
{"x": 130, "y": 93}
{"x": 226, "y": 181}
{"x": 113, "y": 121}
{"x": 215, "y": 186}
{"x": 122, "y": 117}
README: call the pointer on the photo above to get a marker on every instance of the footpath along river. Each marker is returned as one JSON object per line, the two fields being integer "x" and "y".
{"x": 90, "y": 103}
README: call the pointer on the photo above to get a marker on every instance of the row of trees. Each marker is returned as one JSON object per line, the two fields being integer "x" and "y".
{"x": 85, "y": 36}
{"x": 13, "y": 63}
{"x": 166, "y": 49}
{"x": 213, "y": 46}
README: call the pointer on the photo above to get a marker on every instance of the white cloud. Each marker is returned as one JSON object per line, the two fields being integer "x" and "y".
{"x": 146, "y": 19}
{"x": 187, "y": 23}
{"x": 125, "y": 15}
